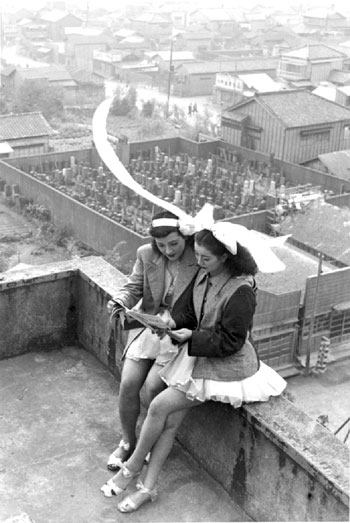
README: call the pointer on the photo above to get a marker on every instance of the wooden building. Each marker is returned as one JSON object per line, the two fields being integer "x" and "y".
{"x": 155, "y": 26}
{"x": 52, "y": 75}
{"x": 198, "y": 79}
{"x": 26, "y": 133}
{"x": 293, "y": 125}
{"x": 57, "y": 21}
{"x": 311, "y": 63}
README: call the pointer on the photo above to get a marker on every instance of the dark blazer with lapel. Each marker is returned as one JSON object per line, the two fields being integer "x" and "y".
{"x": 222, "y": 340}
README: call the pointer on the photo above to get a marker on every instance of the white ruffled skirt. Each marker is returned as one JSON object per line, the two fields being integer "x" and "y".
{"x": 266, "y": 382}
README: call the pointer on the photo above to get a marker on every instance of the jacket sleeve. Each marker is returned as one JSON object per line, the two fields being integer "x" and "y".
{"x": 183, "y": 311}
{"x": 230, "y": 331}
{"x": 132, "y": 291}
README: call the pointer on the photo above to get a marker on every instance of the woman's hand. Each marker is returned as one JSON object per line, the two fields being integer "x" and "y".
{"x": 114, "y": 307}
{"x": 181, "y": 335}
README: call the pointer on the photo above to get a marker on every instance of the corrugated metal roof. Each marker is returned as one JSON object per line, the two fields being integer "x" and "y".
{"x": 229, "y": 66}
{"x": 299, "y": 108}
{"x": 24, "y": 125}
{"x": 260, "y": 81}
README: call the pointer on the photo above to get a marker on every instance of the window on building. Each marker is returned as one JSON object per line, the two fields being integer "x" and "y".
{"x": 347, "y": 132}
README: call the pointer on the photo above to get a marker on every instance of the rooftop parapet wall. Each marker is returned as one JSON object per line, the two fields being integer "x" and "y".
{"x": 278, "y": 463}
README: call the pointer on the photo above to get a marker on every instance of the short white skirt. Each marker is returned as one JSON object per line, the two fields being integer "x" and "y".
{"x": 266, "y": 382}
{"x": 147, "y": 345}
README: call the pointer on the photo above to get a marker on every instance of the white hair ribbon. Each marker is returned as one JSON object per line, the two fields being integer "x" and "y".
{"x": 225, "y": 232}
{"x": 229, "y": 234}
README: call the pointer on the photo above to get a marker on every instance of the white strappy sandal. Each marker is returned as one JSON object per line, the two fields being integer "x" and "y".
{"x": 110, "y": 489}
{"x": 114, "y": 462}
{"x": 129, "y": 505}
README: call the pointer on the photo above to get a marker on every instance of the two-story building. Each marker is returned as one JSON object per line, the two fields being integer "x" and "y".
{"x": 80, "y": 45}
{"x": 326, "y": 20}
{"x": 57, "y": 21}
{"x": 215, "y": 19}
{"x": 309, "y": 64}
{"x": 293, "y": 125}
{"x": 152, "y": 25}
{"x": 198, "y": 41}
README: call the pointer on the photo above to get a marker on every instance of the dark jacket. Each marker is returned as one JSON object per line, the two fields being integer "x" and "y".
{"x": 222, "y": 340}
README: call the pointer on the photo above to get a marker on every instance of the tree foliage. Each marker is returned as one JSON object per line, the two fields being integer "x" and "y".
{"x": 35, "y": 95}
{"x": 124, "y": 101}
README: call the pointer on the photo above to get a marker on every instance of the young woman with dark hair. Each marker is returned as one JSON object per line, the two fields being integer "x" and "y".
{"x": 158, "y": 283}
{"x": 217, "y": 360}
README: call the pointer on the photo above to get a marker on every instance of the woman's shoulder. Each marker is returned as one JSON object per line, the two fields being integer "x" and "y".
{"x": 145, "y": 250}
{"x": 147, "y": 253}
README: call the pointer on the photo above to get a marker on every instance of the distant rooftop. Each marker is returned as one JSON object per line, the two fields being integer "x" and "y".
{"x": 298, "y": 108}
{"x": 314, "y": 52}
{"x": 24, "y": 125}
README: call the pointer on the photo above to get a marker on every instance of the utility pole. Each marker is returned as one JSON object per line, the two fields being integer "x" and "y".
{"x": 172, "y": 38}
{"x": 312, "y": 318}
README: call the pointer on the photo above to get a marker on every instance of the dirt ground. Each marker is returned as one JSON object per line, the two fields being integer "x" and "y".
{"x": 22, "y": 243}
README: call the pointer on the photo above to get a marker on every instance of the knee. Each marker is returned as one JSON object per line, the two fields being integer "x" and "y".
{"x": 129, "y": 388}
{"x": 152, "y": 389}
{"x": 157, "y": 410}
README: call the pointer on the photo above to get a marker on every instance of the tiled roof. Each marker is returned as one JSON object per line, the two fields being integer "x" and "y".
{"x": 229, "y": 66}
{"x": 24, "y": 125}
{"x": 313, "y": 52}
{"x": 299, "y": 108}
{"x": 53, "y": 73}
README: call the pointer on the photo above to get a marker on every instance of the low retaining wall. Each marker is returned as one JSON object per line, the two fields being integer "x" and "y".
{"x": 274, "y": 460}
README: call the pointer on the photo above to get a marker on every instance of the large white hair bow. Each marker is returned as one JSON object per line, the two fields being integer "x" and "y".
{"x": 229, "y": 234}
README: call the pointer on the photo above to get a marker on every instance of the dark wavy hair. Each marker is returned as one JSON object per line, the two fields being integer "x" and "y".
{"x": 238, "y": 264}
{"x": 162, "y": 232}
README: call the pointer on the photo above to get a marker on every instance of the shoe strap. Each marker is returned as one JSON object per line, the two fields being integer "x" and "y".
{"x": 129, "y": 473}
{"x": 124, "y": 445}
{"x": 153, "y": 493}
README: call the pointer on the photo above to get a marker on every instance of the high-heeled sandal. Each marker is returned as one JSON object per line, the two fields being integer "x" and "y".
{"x": 128, "y": 504}
{"x": 110, "y": 489}
{"x": 114, "y": 462}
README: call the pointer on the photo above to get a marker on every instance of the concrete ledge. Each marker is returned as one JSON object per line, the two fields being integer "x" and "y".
{"x": 274, "y": 460}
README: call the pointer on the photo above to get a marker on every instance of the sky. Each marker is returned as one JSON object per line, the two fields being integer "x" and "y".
{"x": 110, "y": 4}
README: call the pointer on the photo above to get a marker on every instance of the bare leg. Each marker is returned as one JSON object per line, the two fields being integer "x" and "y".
{"x": 166, "y": 403}
{"x": 154, "y": 383}
{"x": 173, "y": 405}
{"x": 162, "y": 447}
{"x": 133, "y": 376}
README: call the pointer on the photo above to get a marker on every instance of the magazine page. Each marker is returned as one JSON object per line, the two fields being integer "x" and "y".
{"x": 146, "y": 320}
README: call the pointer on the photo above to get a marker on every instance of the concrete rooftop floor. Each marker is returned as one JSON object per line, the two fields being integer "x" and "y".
{"x": 58, "y": 425}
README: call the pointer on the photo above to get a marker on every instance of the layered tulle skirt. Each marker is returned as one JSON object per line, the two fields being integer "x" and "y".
{"x": 266, "y": 382}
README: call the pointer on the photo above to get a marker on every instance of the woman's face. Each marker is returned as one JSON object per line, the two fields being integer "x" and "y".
{"x": 171, "y": 246}
{"x": 210, "y": 262}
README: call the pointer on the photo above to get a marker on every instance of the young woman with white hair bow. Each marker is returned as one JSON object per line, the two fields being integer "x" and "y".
{"x": 217, "y": 360}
